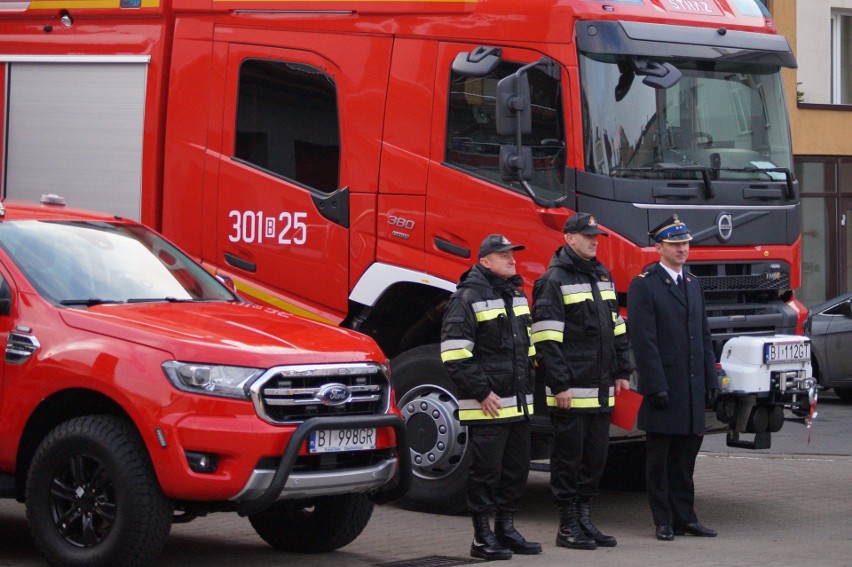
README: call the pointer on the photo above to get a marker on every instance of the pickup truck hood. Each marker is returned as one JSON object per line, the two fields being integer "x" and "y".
{"x": 225, "y": 333}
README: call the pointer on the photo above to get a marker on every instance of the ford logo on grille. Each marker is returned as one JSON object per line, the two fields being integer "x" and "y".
{"x": 334, "y": 394}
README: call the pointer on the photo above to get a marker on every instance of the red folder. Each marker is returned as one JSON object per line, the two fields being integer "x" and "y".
{"x": 626, "y": 409}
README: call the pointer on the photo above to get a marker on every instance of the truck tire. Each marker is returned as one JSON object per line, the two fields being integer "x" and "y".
{"x": 318, "y": 525}
{"x": 92, "y": 497}
{"x": 426, "y": 396}
{"x": 845, "y": 394}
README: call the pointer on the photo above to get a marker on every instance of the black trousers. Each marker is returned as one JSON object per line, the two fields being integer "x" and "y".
{"x": 669, "y": 466}
{"x": 499, "y": 466}
{"x": 579, "y": 454}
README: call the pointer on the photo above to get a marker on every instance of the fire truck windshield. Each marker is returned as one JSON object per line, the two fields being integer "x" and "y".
{"x": 727, "y": 120}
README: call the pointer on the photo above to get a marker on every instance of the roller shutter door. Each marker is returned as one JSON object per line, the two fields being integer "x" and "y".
{"x": 75, "y": 129}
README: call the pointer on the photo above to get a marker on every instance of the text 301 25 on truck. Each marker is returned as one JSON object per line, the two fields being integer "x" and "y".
{"x": 139, "y": 390}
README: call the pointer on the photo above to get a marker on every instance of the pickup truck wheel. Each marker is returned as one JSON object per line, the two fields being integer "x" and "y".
{"x": 92, "y": 497}
{"x": 318, "y": 525}
{"x": 844, "y": 394}
{"x": 426, "y": 397}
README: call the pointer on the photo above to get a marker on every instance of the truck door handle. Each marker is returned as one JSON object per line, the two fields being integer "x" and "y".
{"x": 451, "y": 248}
{"x": 238, "y": 262}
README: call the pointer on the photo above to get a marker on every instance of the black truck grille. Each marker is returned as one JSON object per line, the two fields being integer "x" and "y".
{"x": 745, "y": 283}
{"x": 290, "y": 394}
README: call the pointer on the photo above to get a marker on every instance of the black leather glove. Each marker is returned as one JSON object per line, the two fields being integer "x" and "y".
{"x": 710, "y": 397}
{"x": 660, "y": 400}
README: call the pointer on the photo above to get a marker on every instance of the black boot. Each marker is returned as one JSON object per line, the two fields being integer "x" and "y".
{"x": 570, "y": 533}
{"x": 504, "y": 529}
{"x": 585, "y": 518}
{"x": 485, "y": 544}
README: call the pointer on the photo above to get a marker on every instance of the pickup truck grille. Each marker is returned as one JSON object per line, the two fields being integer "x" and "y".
{"x": 292, "y": 394}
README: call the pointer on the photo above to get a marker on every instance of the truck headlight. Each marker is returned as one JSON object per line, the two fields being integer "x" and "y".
{"x": 211, "y": 379}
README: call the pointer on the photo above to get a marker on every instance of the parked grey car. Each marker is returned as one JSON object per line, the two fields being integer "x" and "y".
{"x": 829, "y": 325}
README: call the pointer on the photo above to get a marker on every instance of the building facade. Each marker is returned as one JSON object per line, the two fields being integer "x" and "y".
{"x": 819, "y": 96}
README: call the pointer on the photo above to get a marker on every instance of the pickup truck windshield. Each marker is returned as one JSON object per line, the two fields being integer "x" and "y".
{"x": 83, "y": 264}
{"x": 726, "y": 118}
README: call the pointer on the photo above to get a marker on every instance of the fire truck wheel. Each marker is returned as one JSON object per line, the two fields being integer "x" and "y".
{"x": 318, "y": 525}
{"x": 426, "y": 396}
{"x": 92, "y": 497}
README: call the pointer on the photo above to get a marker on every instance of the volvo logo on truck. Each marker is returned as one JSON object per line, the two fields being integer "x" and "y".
{"x": 725, "y": 226}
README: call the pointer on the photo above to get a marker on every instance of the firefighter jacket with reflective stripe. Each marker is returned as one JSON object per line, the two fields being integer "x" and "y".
{"x": 486, "y": 345}
{"x": 580, "y": 338}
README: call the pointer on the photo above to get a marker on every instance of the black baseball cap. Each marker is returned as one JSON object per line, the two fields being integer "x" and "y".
{"x": 584, "y": 223}
{"x": 496, "y": 243}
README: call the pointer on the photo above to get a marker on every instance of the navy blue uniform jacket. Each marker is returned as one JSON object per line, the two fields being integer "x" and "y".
{"x": 670, "y": 354}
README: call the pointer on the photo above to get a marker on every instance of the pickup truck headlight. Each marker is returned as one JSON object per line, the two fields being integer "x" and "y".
{"x": 211, "y": 379}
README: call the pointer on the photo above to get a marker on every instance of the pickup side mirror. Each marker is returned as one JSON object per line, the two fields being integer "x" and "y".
{"x": 5, "y": 298}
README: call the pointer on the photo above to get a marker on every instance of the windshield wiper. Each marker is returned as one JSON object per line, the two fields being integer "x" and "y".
{"x": 168, "y": 299}
{"x": 788, "y": 177}
{"x": 91, "y": 302}
{"x": 659, "y": 167}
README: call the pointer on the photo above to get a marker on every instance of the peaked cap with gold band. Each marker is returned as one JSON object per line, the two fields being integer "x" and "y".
{"x": 671, "y": 230}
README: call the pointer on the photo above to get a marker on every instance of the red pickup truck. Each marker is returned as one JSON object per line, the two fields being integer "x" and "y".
{"x": 138, "y": 390}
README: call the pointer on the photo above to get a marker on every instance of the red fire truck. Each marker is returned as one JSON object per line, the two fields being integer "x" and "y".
{"x": 343, "y": 159}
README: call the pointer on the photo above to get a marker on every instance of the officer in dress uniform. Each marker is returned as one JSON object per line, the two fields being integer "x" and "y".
{"x": 674, "y": 354}
{"x": 487, "y": 350}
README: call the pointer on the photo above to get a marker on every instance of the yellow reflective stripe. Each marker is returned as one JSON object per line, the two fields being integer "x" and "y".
{"x": 546, "y": 335}
{"x": 505, "y": 413}
{"x": 581, "y": 398}
{"x": 490, "y": 314}
{"x": 572, "y": 298}
{"x": 531, "y": 351}
{"x": 620, "y": 328}
{"x": 581, "y": 403}
{"x": 489, "y": 309}
{"x": 506, "y": 401}
{"x": 453, "y": 355}
{"x": 520, "y": 306}
{"x": 575, "y": 293}
{"x": 607, "y": 290}
{"x": 456, "y": 349}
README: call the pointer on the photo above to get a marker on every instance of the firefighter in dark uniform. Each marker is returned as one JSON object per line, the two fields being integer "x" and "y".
{"x": 674, "y": 353}
{"x": 487, "y": 351}
{"x": 584, "y": 355}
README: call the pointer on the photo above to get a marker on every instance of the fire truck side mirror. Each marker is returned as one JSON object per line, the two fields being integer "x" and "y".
{"x": 513, "y": 101}
{"x": 516, "y": 163}
{"x": 478, "y": 63}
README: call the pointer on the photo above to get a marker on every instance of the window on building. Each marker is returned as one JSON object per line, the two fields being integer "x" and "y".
{"x": 841, "y": 58}
{"x": 472, "y": 140}
{"x": 287, "y": 122}
{"x": 826, "y": 238}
